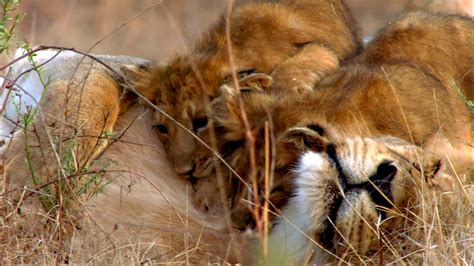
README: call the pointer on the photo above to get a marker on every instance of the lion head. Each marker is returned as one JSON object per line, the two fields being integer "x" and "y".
{"x": 352, "y": 197}
{"x": 264, "y": 36}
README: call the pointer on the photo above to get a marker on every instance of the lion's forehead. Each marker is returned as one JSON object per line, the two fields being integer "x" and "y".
{"x": 184, "y": 102}
{"x": 181, "y": 111}
{"x": 359, "y": 158}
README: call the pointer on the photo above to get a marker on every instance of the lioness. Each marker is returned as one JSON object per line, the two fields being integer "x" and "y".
{"x": 401, "y": 86}
{"x": 85, "y": 166}
{"x": 74, "y": 107}
{"x": 275, "y": 37}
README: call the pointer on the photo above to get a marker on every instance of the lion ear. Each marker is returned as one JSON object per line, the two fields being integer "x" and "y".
{"x": 254, "y": 99}
{"x": 230, "y": 99}
{"x": 144, "y": 78}
{"x": 229, "y": 107}
{"x": 256, "y": 82}
{"x": 431, "y": 166}
{"x": 226, "y": 111}
{"x": 436, "y": 175}
{"x": 305, "y": 138}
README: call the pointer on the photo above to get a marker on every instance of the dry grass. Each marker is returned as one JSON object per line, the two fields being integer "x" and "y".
{"x": 439, "y": 230}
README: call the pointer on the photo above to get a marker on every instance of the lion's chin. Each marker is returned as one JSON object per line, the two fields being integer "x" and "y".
{"x": 359, "y": 226}
{"x": 356, "y": 224}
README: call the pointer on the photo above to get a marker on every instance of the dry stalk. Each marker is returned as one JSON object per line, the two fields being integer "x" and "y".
{"x": 250, "y": 138}
{"x": 267, "y": 191}
{"x": 150, "y": 7}
{"x": 212, "y": 134}
{"x": 132, "y": 89}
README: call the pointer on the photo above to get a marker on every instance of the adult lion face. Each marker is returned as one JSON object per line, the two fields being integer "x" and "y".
{"x": 351, "y": 198}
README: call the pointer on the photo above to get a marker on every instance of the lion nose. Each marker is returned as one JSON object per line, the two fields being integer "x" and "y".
{"x": 379, "y": 184}
{"x": 386, "y": 171}
{"x": 382, "y": 180}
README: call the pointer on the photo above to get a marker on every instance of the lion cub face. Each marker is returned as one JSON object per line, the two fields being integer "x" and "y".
{"x": 279, "y": 135}
{"x": 278, "y": 38}
{"x": 182, "y": 90}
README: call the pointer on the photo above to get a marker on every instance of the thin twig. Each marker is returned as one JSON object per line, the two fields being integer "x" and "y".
{"x": 150, "y": 7}
{"x": 248, "y": 130}
{"x": 128, "y": 86}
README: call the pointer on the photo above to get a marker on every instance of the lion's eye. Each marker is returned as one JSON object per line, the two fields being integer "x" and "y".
{"x": 245, "y": 73}
{"x": 162, "y": 129}
{"x": 240, "y": 75}
{"x": 317, "y": 128}
{"x": 229, "y": 147}
{"x": 199, "y": 123}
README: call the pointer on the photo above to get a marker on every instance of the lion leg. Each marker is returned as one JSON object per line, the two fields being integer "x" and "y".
{"x": 305, "y": 69}
{"x": 66, "y": 131}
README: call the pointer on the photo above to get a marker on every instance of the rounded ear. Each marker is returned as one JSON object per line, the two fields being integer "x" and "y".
{"x": 434, "y": 171}
{"x": 430, "y": 166}
{"x": 304, "y": 138}
{"x": 226, "y": 107}
{"x": 256, "y": 82}
{"x": 144, "y": 78}
{"x": 226, "y": 112}
{"x": 255, "y": 99}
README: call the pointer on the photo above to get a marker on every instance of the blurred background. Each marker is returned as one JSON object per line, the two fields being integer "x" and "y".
{"x": 165, "y": 28}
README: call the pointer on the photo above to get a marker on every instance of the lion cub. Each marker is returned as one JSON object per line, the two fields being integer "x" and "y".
{"x": 402, "y": 85}
{"x": 273, "y": 37}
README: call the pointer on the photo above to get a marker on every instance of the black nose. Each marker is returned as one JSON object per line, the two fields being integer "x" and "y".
{"x": 379, "y": 186}
{"x": 386, "y": 171}
{"x": 382, "y": 179}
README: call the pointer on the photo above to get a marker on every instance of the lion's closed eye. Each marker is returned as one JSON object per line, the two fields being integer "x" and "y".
{"x": 199, "y": 123}
{"x": 161, "y": 129}
{"x": 241, "y": 74}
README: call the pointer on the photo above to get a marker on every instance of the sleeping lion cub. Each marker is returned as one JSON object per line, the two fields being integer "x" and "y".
{"x": 278, "y": 38}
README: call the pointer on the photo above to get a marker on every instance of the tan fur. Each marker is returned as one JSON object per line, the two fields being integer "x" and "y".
{"x": 148, "y": 207}
{"x": 143, "y": 208}
{"x": 366, "y": 91}
{"x": 321, "y": 199}
{"x": 460, "y": 7}
{"x": 145, "y": 213}
{"x": 70, "y": 109}
{"x": 441, "y": 44}
{"x": 399, "y": 87}
{"x": 272, "y": 37}
{"x": 70, "y": 118}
